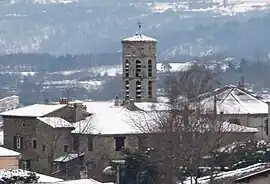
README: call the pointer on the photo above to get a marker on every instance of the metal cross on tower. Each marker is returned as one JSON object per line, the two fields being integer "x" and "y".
{"x": 140, "y": 26}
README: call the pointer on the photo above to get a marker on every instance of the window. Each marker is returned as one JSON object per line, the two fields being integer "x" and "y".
{"x": 127, "y": 89}
{"x": 235, "y": 121}
{"x": 266, "y": 127}
{"x": 150, "y": 89}
{"x": 127, "y": 68}
{"x": 34, "y": 144}
{"x": 26, "y": 165}
{"x": 90, "y": 143}
{"x": 138, "y": 68}
{"x": 43, "y": 147}
{"x": 76, "y": 142}
{"x": 18, "y": 142}
{"x": 65, "y": 148}
{"x": 149, "y": 68}
{"x": 119, "y": 143}
{"x": 142, "y": 142}
{"x": 138, "y": 90}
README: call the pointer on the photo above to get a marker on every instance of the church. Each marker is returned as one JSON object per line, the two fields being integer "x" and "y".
{"x": 139, "y": 68}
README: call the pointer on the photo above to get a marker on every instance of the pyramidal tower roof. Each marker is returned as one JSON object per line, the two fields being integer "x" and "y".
{"x": 139, "y": 37}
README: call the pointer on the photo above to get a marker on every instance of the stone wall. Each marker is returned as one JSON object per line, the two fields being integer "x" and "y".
{"x": 143, "y": 52}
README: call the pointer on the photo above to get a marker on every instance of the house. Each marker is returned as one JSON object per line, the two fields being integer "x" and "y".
{"x": 40, "y": 132}
{"x": 239, "y": 106}
{"x": 102, "y": 136}
{"x": 9, "y": 159}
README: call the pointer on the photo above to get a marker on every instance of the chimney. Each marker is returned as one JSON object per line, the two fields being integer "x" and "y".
{"x": 116, "y": 101}
{"x": 46, "y": 101}
{"x": 63, "y": 101}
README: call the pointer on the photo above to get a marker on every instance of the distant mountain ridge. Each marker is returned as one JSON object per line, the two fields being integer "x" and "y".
{"x": 93, "y": 26}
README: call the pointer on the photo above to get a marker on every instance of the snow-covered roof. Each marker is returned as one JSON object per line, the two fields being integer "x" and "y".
{"x": 23, "y": 173}
{"x": 139, "y": 38}
{"x": 84, "y": 126}
{"x": 4, "y": 152}
{"x": 150, "y": 106}
{"x": 55, "y": 122}
{"x": 253, "y": 175}
{"x": 233, "y": 100}
{"x": 36, "y": 110}
{"x": 81, "y": 181}
{"x": 231, "y": 174}
{"x": 229, "y": 127}
{"x": 110, "y": 119}
{"x": 67, "y": 157}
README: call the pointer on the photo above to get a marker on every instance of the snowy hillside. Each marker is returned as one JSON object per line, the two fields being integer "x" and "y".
{"x": 92, "y": 26}
{"x": 9, "y": 103}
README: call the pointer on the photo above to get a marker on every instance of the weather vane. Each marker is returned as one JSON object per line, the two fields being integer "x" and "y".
{"x": 140, "y": 26}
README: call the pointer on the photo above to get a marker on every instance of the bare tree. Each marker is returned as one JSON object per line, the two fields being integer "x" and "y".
{"x": 189, "y": 132}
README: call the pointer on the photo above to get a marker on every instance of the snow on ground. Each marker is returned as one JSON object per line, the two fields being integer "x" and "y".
{"x": 233, "y": 6}
{"x": 67, "y": 72}
{"x": 107, "y": 70}
{"x": 20, "y": 73}
{"x": 117, "y": 69}
{"x": 231, "y": 174}
{"x": 9, "y": 103}
{"x": 89, "y": 85}
{"x": 23, "y": 173}
{"x": 112, "y": 71}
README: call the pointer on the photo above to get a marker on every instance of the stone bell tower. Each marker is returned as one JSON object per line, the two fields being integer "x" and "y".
{"x": 139, "y": 67}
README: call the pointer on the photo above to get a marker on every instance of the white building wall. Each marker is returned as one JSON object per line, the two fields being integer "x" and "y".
{"x": 254, "y": 121}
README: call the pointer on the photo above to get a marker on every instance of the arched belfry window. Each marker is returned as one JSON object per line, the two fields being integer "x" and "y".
{"x": 138, "y": 90}
{"x": 138, "y": 68}
{"x": 150, "y": 89}
{"x": 127, "y": 89}
{"x": 127, "y": 68}
{"x": 150, "y": 68}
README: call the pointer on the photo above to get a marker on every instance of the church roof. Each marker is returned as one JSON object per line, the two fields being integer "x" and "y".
{"x": 139, "y": 38}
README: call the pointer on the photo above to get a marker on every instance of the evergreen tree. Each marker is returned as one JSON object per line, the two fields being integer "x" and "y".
{"x": 139, "y": 167}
